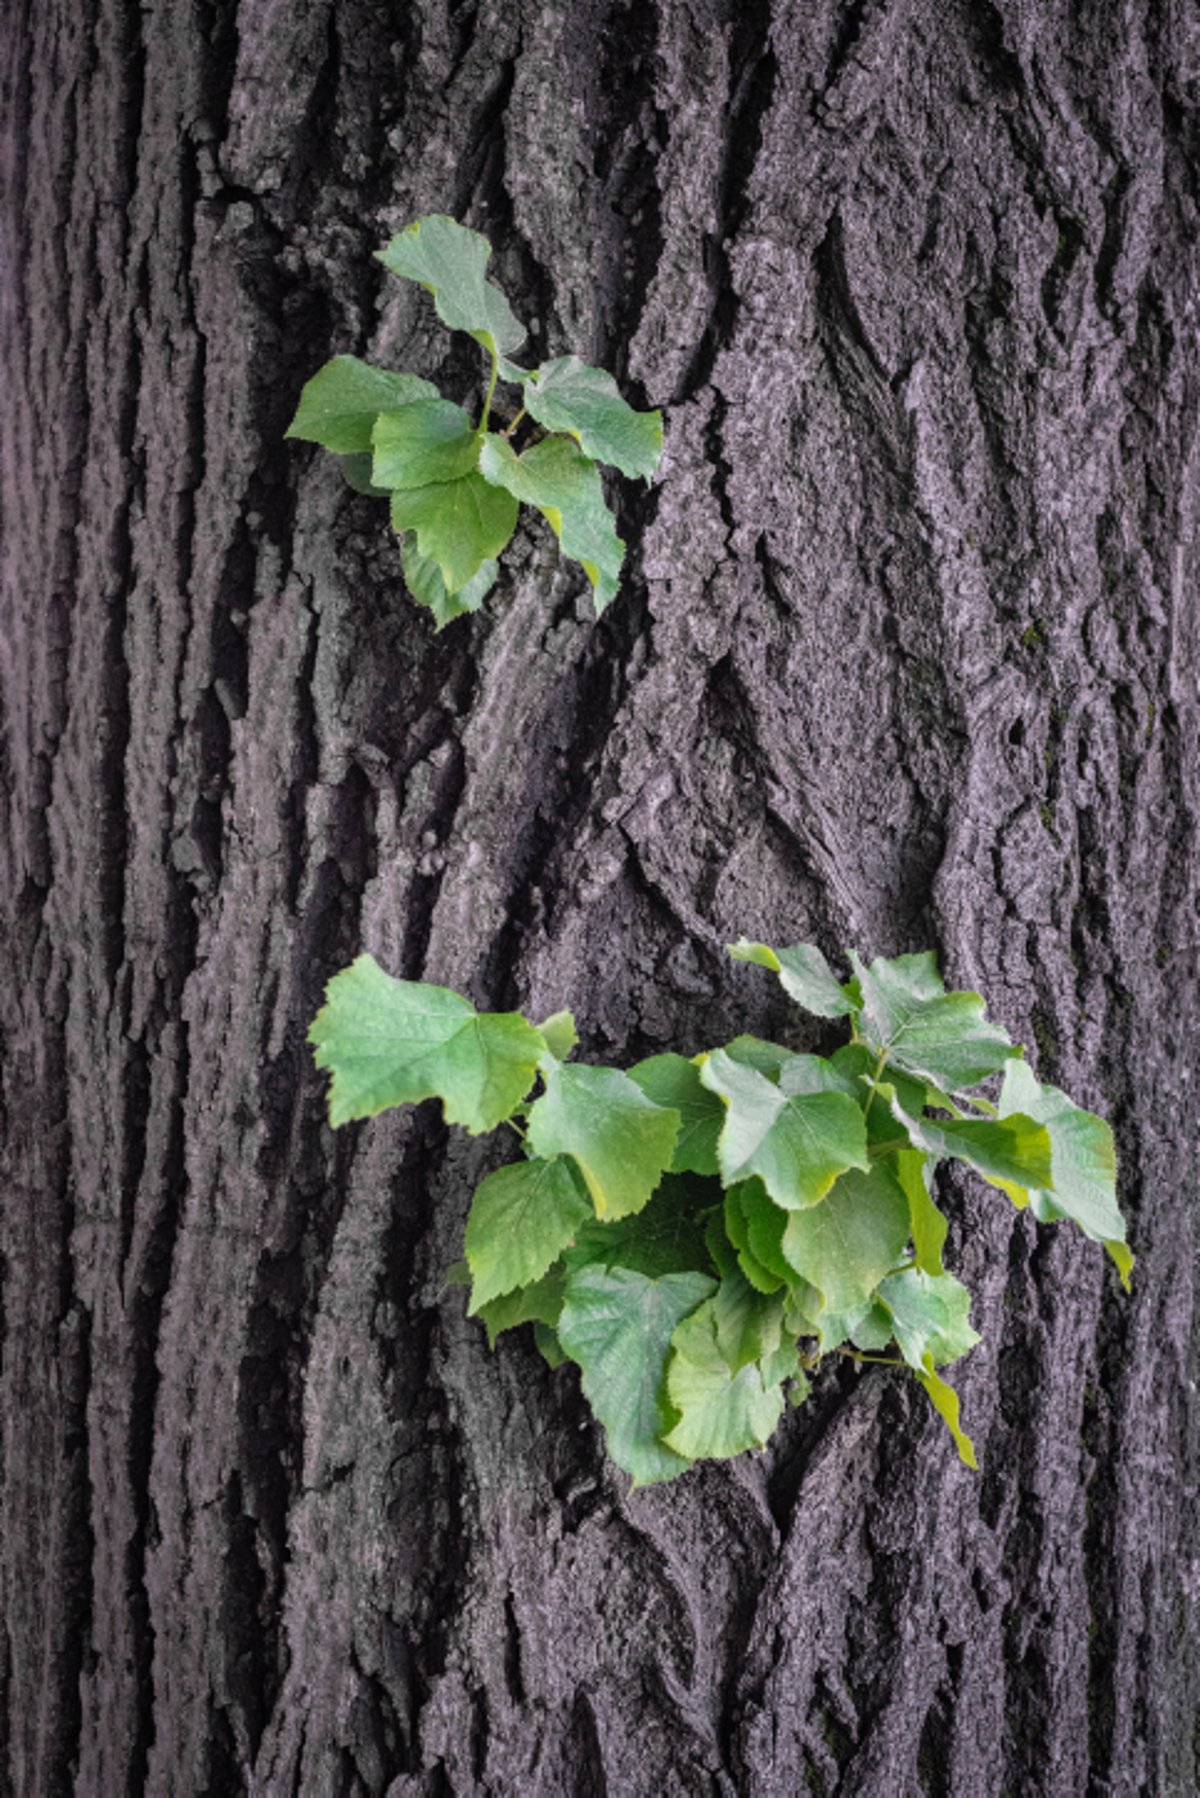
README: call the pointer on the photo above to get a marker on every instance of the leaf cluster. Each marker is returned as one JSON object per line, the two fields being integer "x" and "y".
{"x": 696, "y": 1234}
{"x": 454, "y": 484}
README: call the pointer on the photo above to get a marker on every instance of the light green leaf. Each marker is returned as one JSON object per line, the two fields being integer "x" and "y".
{"x": 558, "y": 479}
{"x": 804, "y": 974}
{"x": 451, "y": 261}
{"x": 460, "y": 525}
{"x": 848, "y": 1243}
{"x": 796, "y": 1145}
{"x": 522, "y": 1218}
{"x": 617, "y": 1325}
{"x": 912, "y": 1169}
{"x": 339, "y": 406}
{"x": 536, "y": 1304}
{"x": 765, "y": 1058}
{"x": 944, "y": 1400}
{"x": 560, "y": 1034}
{"x": 931, "y": 1317}
{"x": 432, "y": 440}
{"x": 935, "y": 1035}
{"x": 721, "y": 1411}
{"x": 1014, "y": 1148}
{"x": 567, "y": 395}
{"x": 666, "y": 1237}
{"x": 673, "y": 1081}
{"x": 1083, "y": 1160}
{"x": 396, "y": 1042}
{"x": 621, "y": 1141}
{"x": 423, "y": 578}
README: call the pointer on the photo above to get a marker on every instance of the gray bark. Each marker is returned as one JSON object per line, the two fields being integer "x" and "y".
{"x": 905, "y": 657}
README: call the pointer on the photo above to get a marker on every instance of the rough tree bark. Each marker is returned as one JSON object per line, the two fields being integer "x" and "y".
{"x": 905, "y": 657}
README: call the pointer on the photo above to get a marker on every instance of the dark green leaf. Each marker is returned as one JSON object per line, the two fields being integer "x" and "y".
{"x": 673, "y": 1081}
{"x": 1014, "y": 1148}
{"x": 339, "y": 406}
{"x": 667, "y": 1237}
{"x": 461, "y": 525}
{"x": 432, "y": 440}
{"x": 539, "y": 1303}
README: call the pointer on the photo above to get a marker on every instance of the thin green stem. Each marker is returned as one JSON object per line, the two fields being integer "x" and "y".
{"x": 487, "y": 404}
{"x": 516, "y": 421}
{"x": 872, "y": 1360}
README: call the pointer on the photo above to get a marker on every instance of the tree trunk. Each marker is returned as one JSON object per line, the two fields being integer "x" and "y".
{"x": 904, "y": 657}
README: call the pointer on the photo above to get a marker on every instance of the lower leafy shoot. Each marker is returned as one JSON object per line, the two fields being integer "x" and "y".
{"x": 697, "y": 1234}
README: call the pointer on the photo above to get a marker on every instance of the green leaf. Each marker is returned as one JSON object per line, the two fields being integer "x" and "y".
{"x": 339, "y": 406}
{"x": 928, "y": 1226}
{"x": 423, "y": 578}
{"x": 931, "y": 1317}
{"x": 567, "y": 395}
{"x": 522, "y": 1218}
{"x": 558, "y": 479}
{"x": 765, "y": 1058}
{"x": 536, "y": 1304}
{"x": 1083, "y": 1160}
{"x": 549, "y": 1347}
{"x": 848, "y": 1243}
{"x": 432, "y": 440}
{"x": 721, "y": 1411}
{"x": 617, "y": 1325}
{"x": 667, "y": 1237}
{"x": 748, "y": 1324}
{"x": 460, "y": 525}
{"x": 944, "y": 1400}
{"x": 560, "y": 1034}
{"x": 737, "y": 1231}
{"x": 765, "y": 1223}
{"x": 1013, "y": 1149}
{"x": 935, "y": 1035}
{"x": 804, "y": 974}
{"x": 451, "y": 261}
{"x": 396, "y": 1042}
{"x": 796, "y": 1145}
{"x": 675, "y": 1082}
{"x": 356, "y": 470}
{"x": 622, "y": 1142}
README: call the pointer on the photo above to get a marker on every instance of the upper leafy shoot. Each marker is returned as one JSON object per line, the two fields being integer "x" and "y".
{"x": 451, "y": 262}
{"x": 454, "y": 487}
{"x": 696, "y": 1234}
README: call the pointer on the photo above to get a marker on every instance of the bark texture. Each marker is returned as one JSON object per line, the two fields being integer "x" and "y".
{"x": 906, "y": 657}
